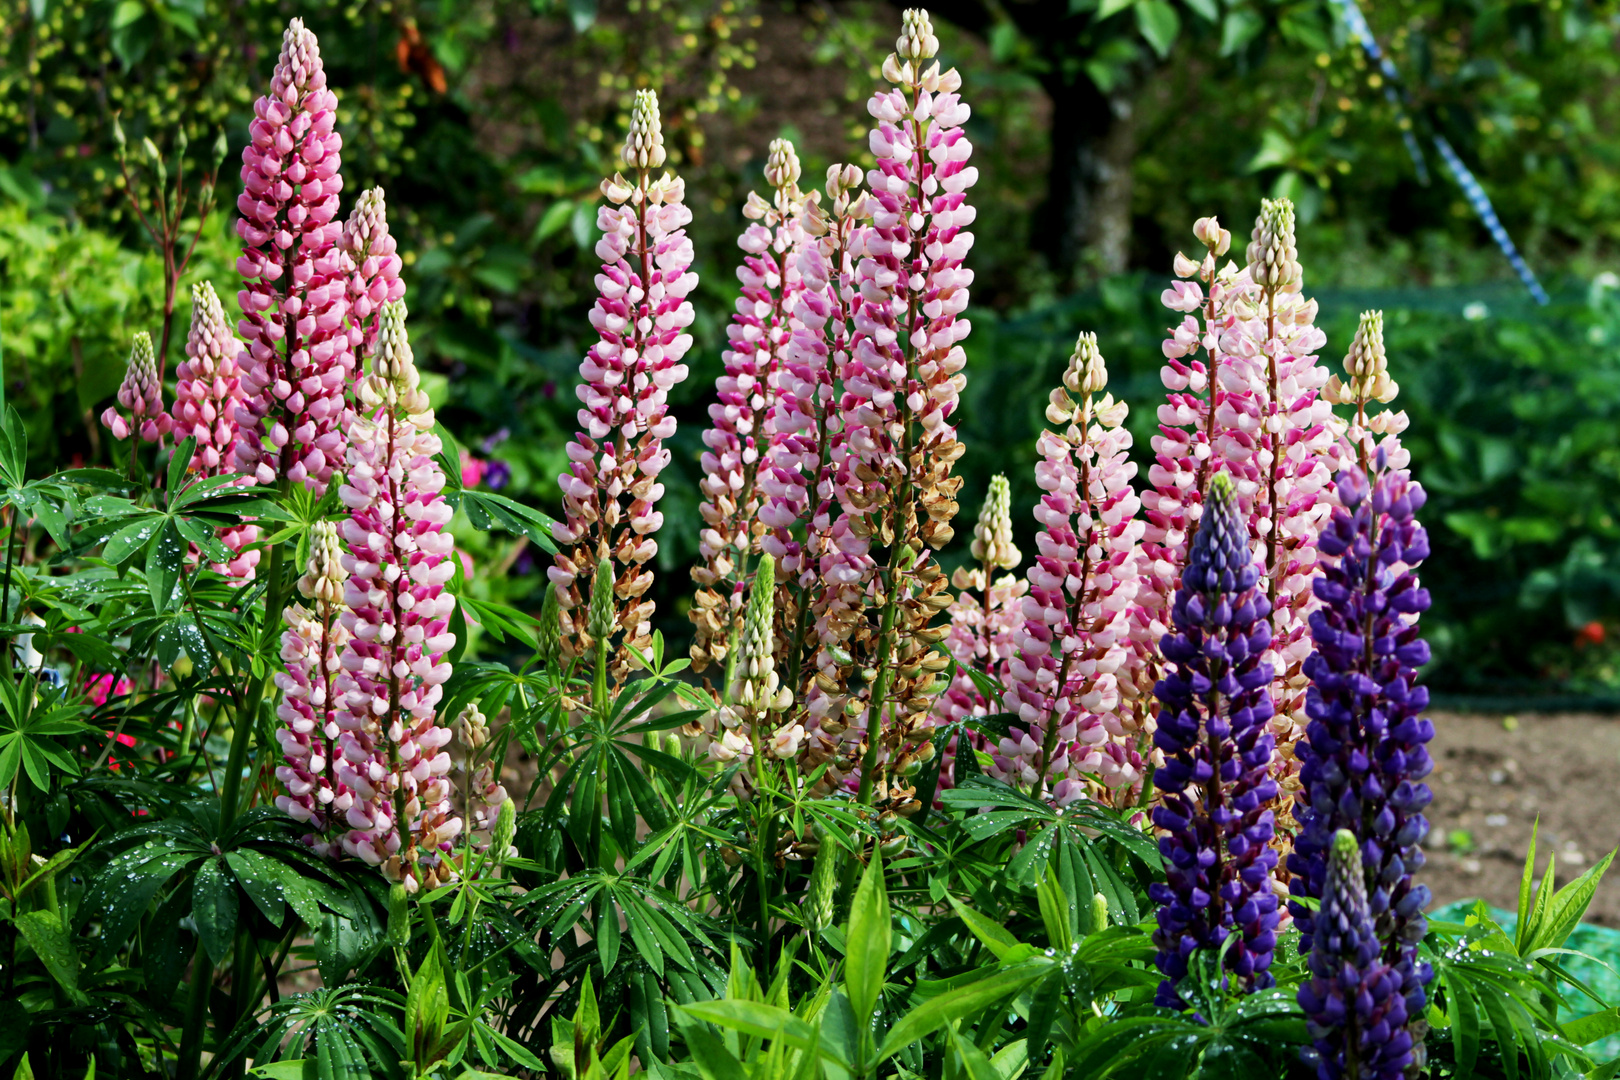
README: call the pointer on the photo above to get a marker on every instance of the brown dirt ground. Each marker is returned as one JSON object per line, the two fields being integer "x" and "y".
{"x": 1492, "y": 779}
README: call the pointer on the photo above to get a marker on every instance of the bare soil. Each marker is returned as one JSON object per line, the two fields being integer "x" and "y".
{"x": 1494, "y": 775}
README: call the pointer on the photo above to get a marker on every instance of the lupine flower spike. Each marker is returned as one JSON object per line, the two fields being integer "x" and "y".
{"x": 311, "y": 650}
{"x": 1074, "y": 647}
{"x": 1354, "y": 1006}
{"x": 747, "y": 724}
{"x": 398, "y": 615}
{"x": 1364, "y": 756}
{"x": 141, "y": 394}
{"x": 298, "y": 365}
{"x": 901, "y": 384}
{"x": 207, "y": 394}
{"x": 612, "y": 488}
{"x": 1215, "y": 780}
{"x": 372, "y": 271}
{"x": 486, "y": 796}
{"x": 739, "y": 438}
{"x": 1367, "y": 368}
{"x": 984, "y": 627}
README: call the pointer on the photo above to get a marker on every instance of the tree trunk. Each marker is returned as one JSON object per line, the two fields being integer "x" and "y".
{"x": 1085, "y": 227}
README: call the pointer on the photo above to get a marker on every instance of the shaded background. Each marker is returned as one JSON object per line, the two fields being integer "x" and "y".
{"x": 1102, "y": 127}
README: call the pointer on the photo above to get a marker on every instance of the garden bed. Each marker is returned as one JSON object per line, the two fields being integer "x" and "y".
{"x": 1494, "y": 775}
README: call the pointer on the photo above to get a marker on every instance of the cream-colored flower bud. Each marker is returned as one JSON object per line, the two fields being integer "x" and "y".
{"x": 1212, "y": 236}
{"x": 644, "y": 142}
{"x": 842, "y": 179}
{"x": 782, "y": 166}
{"x": 1060, "y": 407}
{"x": 1087, "y": 374}
{"x": 992, "y": 535}
{"x": 473, "y": 728}
{"x": 394, "y": 362}
{"x": 1273, "y": 256}
{"x": 917, "y": 40}
{"x": 324, "y": 576}
{"x": 1184, "y": 267}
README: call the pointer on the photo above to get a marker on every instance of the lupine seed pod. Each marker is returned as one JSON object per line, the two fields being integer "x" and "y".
{"x": 1355, "y": 1009}
{"x": 298, "y": 365}
{"x": 371, "y": 271}
{"x": 1365, "y": 755}
{"x": 739, "y": 439}
{"x": 1074, "y": 648}
{"x": 311, "y": 653}
{"x": 1215, "y": 780}
{"x": 397, "y": 612}
{"x": 141, "y": 394}
{"x": 611, "y": 490}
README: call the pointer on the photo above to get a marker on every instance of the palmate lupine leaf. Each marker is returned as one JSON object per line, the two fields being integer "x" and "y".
{"x": 346, "y": 1033}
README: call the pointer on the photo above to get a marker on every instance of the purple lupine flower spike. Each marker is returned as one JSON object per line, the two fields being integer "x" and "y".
{"x": 1364, "y": 756}
{"x": 1354, "y": 1005}
{"x": 1215, "y": 781}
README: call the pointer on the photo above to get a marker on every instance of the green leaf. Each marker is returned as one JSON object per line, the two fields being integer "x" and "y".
{"x": 959, "y": 1003}
{"x": 1527, "y": 879}
{"x": 130, "y": 538}
{"x": 756, "y": 1019}
{"x": 554, "y": 220}
{"x": 180, "y": 462}
{"x": 1568, "y": 905}
{"x": 213, "y": 908}
{"x": 261, "y": 878}
{"x": 974, "y": 1064}
{"x": 710, "y": 1055}
{"x": 993, "y": 934}
{"x": 1238, "y": 29}
{"x": 45, "y": 934}
{"x": 486, "y": 509}
{"x": 1159, "y": 24}
{"x": 866, "y": 942}
{"x": 1112, "y": 7}
{"x": 1589, "y": 1029}
{"x": 165, "y": 558}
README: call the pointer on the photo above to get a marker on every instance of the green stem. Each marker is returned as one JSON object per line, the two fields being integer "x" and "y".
{"x": 247, "y": 716}
{"x": 191, "y": 1039}
{"x": 5, "y": 592}
{"x": 880, "y": 688}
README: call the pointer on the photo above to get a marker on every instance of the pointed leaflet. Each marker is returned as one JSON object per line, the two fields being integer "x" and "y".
{"x": 214, "y": 908}
{"x": 45, "y": 934}
{"x": 866, "y": 943}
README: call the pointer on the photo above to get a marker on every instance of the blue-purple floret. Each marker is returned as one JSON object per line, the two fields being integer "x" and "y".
{"x": 1364, "y": 754}
{"x": 1215, "y": 782}
{"x": 1354, "y": 1005}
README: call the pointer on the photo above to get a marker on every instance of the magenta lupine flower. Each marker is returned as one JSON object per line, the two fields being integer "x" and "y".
{"x": 142, "y": 394}
{"x": 611, "y": 490}
{"x": 298, "y": 364}
{"x": 1075, "y": 647}
{"x": 372, "y": 271}
{"x": 311, "y": 652}
{"x": 740, "y": 434}
{"x": 397, "y": 613}
{"x": 207, "y": 394}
